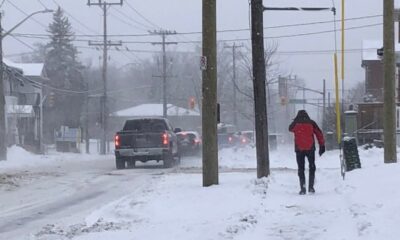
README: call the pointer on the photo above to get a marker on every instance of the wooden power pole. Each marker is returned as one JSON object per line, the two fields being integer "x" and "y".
{"x": 163, "y": 34}
{"x": 389, "y": 84}
{"x": 104, "y": 5}
{"x": 259, "y": 79}
{"x": 209, "y": 90}
{"x": 234, "y": 84}
{"x": 3, "y": 145}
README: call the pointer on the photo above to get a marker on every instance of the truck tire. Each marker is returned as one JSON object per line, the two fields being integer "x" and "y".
{"x": 167, "y": 159}
{"x": 131, "y": 163}
{"x": 120, "y": 163}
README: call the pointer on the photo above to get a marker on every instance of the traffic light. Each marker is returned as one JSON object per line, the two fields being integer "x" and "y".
{"x": 192, "y": 103}
{"x": 52, "y": 99}
{"x": 283, "y": 101}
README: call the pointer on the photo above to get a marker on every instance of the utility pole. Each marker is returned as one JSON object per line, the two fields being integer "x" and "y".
{"x": 259, "y": 79}
{"x": 3, "y": 145}
{"x": 163, "y": 34}
{"x": 398, "y": 70}
{"x": 324, "y": 106}
{"x": 103, "y": 4}
{"x": 389, "y": 84}
{"x": 209, "y": 91}
{"x": 234, "y": 47}
{"x": 87, "y": 138}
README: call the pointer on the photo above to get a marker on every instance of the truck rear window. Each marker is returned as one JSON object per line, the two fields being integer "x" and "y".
{"x": 145, "y": 125}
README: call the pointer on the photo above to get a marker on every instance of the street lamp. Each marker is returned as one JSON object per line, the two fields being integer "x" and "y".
{"x": 3, "y": 145}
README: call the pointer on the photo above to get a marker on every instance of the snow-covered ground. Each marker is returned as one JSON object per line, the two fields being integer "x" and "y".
{"x": 153, "y": 203}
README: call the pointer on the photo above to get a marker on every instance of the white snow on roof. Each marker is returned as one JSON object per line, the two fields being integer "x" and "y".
{"x": 154, "y": 110}
{"x": 370, "y": 47}
{"x": 28, "y": 69}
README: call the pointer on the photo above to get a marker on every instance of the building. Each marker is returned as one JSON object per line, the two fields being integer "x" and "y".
{"x": 23, "y": 91}
{"x": 373, "y": 65}
{"x": 370, "y": 112}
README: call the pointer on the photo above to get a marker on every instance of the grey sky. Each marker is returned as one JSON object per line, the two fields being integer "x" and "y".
{"x": 185, "y": 16}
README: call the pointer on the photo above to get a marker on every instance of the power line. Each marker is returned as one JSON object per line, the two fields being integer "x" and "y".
{"x": 138, "y": 13}
{"x": 220, "y": 40}
{"x": 24, "y": 43}
{"x": 220, "y": 31}
{"x": 77, "y": 20}
{"x": 131, "y": 19}
{"x": 128, "y": 23}
{"x": 26, "y": 14}
{"x": 40, "y": 2}
{"x": 298, "y": 52}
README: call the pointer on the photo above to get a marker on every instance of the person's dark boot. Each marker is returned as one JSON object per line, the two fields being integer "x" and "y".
{"x": 311, "y": 182}
{"x": 302, "y": 186}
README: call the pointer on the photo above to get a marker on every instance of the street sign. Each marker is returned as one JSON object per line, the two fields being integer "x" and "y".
{"x": 203, "y": 63}
{"x": 297, "y": 101}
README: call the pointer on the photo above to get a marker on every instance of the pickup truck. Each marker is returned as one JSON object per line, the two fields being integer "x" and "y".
{"x": 144, "y": 140}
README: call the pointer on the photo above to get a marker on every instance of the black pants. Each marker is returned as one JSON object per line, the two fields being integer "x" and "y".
{"x": 300, "y": 157}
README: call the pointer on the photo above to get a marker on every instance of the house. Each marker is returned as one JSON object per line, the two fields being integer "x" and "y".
{"x": 179, "y": 117}
{"x": 23, "y": 91}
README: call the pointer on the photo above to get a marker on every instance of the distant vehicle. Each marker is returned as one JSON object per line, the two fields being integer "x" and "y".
{"x": 144, "y": 140}
{"x": 246, "y": 137}
{"x": 227, "y": 136}
{"x": 189, "y": 142}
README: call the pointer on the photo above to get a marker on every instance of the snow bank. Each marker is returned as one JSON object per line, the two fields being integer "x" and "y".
{"x": 19, "y": 158}
{"x": 176, "y": 206}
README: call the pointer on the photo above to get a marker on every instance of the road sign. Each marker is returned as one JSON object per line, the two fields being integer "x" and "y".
{"x": 203, "y": 63}
{"x": 297, "y": 101}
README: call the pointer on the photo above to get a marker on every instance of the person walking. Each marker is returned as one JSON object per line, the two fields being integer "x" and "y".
{"x": 304, "y": 129}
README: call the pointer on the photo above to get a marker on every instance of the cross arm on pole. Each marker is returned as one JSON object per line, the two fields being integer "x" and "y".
{"x": 299, "y": 9}
{"x": 109, "y": 43}
{"x": 166, "y": 43}
{"x": 101, "y": 3}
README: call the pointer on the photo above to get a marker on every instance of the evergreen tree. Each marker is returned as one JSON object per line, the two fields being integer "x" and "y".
{"x": 65, "y": 72}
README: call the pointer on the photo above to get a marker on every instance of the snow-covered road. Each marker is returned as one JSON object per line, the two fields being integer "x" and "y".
{"x": 63, "y": 190}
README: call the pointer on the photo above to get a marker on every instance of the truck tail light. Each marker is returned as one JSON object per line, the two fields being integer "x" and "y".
{"x": 165, "y": 139}
{"x": 117, "y": 141}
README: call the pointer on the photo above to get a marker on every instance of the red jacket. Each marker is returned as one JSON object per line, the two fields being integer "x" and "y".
{"x": 304, "y": 131}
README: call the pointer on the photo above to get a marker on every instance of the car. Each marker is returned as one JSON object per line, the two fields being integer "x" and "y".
{"x": 227, "y": 136}
{"x": 145, "y": 140}
{"x": 246, "y": 137}
{"x": 189, "y": 142}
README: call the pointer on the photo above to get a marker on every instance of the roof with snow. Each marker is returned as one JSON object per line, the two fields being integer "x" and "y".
{"x": 369, "y": 48}
{"x": 28, "y": 69}
{"x": 154, "y": 110}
